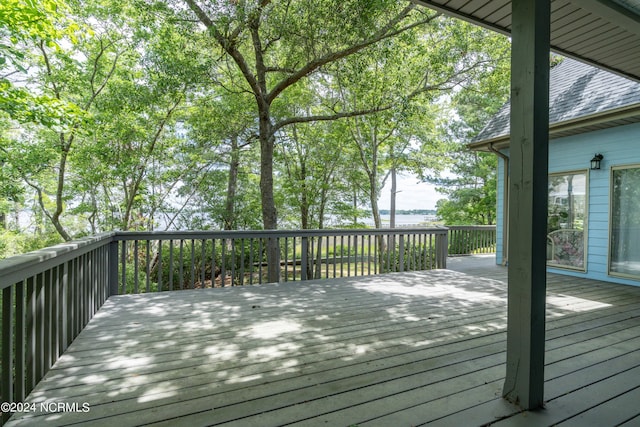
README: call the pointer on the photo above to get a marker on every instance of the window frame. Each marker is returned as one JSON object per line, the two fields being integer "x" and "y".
{"x": 585, "y": 227}
{"x": 610, "y": 233}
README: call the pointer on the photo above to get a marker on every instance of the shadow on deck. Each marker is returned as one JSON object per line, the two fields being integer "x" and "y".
{"x": 401, "y": 349}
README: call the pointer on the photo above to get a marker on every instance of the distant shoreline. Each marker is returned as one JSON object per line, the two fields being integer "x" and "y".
{"x": 430, "y": 212}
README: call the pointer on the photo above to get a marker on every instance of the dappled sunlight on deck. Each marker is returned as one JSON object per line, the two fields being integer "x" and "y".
{"x": 395, "y": 349}
{"x": 573, "y": 303}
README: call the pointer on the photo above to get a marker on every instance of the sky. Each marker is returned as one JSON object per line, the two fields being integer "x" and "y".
{"x": 413, "y": 194}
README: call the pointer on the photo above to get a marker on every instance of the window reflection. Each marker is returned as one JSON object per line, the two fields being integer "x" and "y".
{"x": 567, "y": 213}
{"x": 625, "y": 222}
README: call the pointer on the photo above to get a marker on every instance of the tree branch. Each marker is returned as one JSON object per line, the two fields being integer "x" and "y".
{"x": 227, "y": 44}
{"x": 382, "y": 34}
{"x": 319, "y": 118}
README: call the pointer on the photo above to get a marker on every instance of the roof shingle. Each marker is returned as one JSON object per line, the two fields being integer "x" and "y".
{"x": 576, "y": 90}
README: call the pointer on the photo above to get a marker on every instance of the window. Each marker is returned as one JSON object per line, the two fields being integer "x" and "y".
{"x": 624, "y": 251}
{"x": 566, "y": 219}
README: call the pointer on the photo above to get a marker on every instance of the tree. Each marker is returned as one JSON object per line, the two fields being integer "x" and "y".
{"x": 472, "y": 193}
{"x": 23, "y": 27}
{"x": 468, "y": 178}
{"x": 275, "y": 44}
{"x": 408, "y": 80}
{"x": 222, "y": 125}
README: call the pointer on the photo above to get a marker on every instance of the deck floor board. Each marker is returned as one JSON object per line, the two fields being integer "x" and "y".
{"x": 396, "y": 349}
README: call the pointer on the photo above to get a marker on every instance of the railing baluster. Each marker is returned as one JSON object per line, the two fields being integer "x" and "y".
{"x": 213, "y": 263}
{"x": 251, "y": 261}
{"x": 91, "y": 284}
{"x": 7, "y": 387}
{"x": 414, "y": 249}
{"x": 47, "y": 320}
{"x": 401, "y": 254}
{"x": 349, "y": 256}
{"x": 65, "y": 309}
{"x": 160, "y": 265}
{"x": 335, "y": 238}
{"x": 171, "y": 264}
{"x": 39, "y": 354}
{"x": 203, "y": 263}
{"x": 181, "y": 264}
{"x": 72, "y": 297}
{"x": 136, "y": 271}
{"x": 192, "y": 267}
{"x": 286, "y": 259}
{"x": 55, "y": 286}
{"x": 148, "y": 267}
{"x": 304, "y": 262}
{"x": 242, "y": 262}
{"x": 362, "y": 256}
{"x": 294, "y": 257}
{"x": 124, "y": 267}
{"x": 388, "y": 254}
{"x": 223, "y": 261}
{"x": 233, "y": 262}
{"x": 326, "y": 259}
{"x": 260, "y": 249}
{"x": 30, "y": 339}
{"x": 85, "y": 290}
{"x": 425, "y": 251}
{"x": 368, "y": 255}
{"x": 376, "y": 251}
{"x": 308, "y": 264}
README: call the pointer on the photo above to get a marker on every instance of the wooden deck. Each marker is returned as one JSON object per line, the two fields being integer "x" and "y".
{"x": 402, "y": 349}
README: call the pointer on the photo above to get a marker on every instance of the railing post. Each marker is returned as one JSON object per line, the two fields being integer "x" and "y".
{"x": 304, "y": 262}
{"x": 442, "y": 249}
{"x": 113, "y": 267}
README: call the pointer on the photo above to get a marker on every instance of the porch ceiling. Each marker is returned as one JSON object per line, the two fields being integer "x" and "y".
{"x": 603, "y": 33}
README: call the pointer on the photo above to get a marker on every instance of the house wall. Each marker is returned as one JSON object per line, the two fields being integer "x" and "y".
{"x": 619, "y": 146}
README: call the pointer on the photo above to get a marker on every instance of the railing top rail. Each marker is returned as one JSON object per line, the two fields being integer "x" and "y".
{"x": 177, "y": 235}
{"x": 19, "y": 267}
{"x": 471, "y": 227}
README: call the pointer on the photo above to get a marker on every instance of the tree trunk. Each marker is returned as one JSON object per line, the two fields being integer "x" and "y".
{"x": 355, "y": 206}
{"x": 234, "y": 164}
{"x": 392, "y": 216}
{"x": 375, "y": 211}
{"x": 373, "y": 198}
{"x": 55, "y": 218}
{"x": 323, "y": 202}
{"x": 269, "y": 213}
{"x": 304, "y": 200}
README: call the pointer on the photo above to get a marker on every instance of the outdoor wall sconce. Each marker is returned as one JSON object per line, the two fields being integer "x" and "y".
{"x": 595, "y": 162}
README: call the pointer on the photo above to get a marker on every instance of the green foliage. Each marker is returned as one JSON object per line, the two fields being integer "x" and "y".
{"x": 24, "y": 25}
{"x": 469, "y": 179}
{"x": 409, "y": 257}
{"x": 132, "y": 116}
{"x": 198, "y": 258}
{"x": 472, "y": 194}
{"x": 13, "y": 242}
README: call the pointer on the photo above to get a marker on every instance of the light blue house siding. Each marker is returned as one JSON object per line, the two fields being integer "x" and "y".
{"x": 620, "y": 146}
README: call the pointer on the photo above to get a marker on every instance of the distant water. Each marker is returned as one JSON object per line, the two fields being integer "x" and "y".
{"x": 403, "y": 220}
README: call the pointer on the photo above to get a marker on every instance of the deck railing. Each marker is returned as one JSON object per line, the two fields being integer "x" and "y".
{"x": 471, "y": 239}
{"x": 48, "y": 296}
{"x": 186, "y": 260}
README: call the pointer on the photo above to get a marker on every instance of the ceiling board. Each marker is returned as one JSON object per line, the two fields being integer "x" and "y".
{"x": 604, "y": 33}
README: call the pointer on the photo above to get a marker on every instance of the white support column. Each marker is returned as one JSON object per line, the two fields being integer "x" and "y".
{"x": 529, "y": 147}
